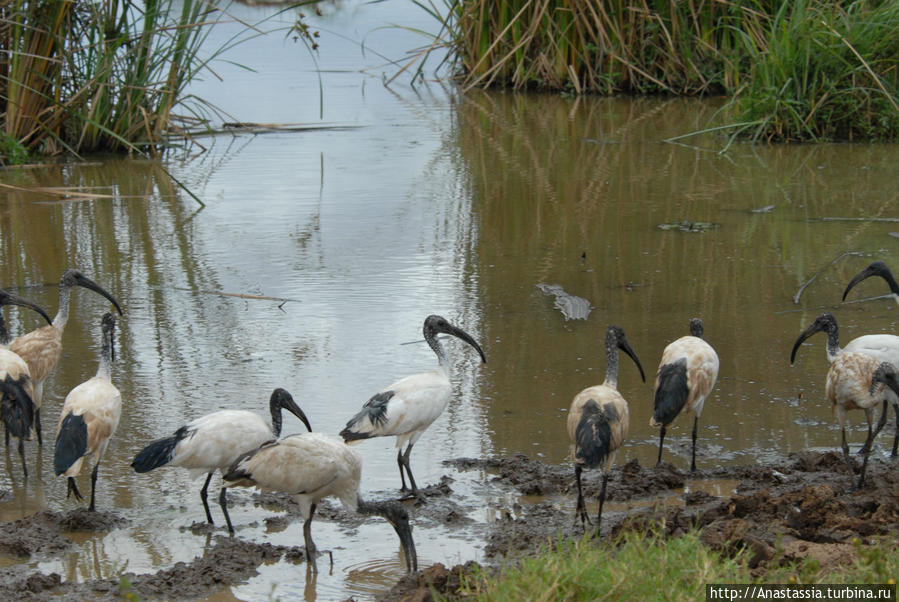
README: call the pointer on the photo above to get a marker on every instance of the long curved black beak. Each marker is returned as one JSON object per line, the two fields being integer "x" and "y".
{"x": 82, "y": 280}
{"x": 815, "y": 327}
{"x": 7, "y": 298}
{"x": 459, "y": 333}
{"x": 877, "y": 268}
{"x": 286, "y": 401}
{"x": 404, "y": 531}
{"x": 625, "y": 346}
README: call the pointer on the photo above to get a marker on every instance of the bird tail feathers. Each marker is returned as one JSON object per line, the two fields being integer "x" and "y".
{"x": 71, "y": 443}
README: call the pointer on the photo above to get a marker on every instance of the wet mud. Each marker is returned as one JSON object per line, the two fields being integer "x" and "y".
{"x": 800, "y": 506}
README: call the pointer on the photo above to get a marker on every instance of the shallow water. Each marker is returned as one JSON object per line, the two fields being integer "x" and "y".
{"x": 432, "y": 202}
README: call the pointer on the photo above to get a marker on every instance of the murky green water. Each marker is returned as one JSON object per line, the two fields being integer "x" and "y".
{"x": 432, "y": 203}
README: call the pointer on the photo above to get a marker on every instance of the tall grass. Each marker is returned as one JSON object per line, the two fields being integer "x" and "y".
{"x": 797, "y": 69}
{"x": 89, "y": 76}
{"x": 606, "y": 47}
{"x": 824, "y": 71}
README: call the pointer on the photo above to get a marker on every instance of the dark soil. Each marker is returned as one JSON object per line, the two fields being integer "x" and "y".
{"x": 801, "y": 506}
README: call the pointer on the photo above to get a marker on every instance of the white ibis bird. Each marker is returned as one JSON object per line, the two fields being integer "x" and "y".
{"x": 850, "y": 386}
{"x": 686, "y": 376}
{"x": 313, "y": 466}
{"x": 877, "y": 268}
{"x": 215, "y": 441}
{"x": 42, "y": 348}
{"x": 598, "y": 422}
{"x": 16, "y": 385}
{"x": 408, "y": 407}
{"x": 89, "y": 418}
{"x": 883, "y": 347}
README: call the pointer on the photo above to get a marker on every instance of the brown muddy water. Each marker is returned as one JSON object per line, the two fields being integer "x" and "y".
{"x": 318, "y": 255}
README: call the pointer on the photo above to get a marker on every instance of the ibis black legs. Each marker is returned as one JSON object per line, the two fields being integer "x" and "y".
{"x": 693, "y": 458}
{"x": 580, "y": 511}
{"x": 223, "y": 503}
{"x": 203, "y": 497}
{"x": 37, "y": 426}
{"x": 661, "y": 441}
{"x": 845, "y": 446}
{"x": 402, "y": 460}
{"x": 307, "y": 538}
{"x": 693, "y": 453}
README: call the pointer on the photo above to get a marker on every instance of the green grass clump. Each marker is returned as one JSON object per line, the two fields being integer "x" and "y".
{"x": 639, "y": 566}
{"x": 825, "y": 72}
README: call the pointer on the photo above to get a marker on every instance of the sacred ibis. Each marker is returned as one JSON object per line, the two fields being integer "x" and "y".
{"x": 16, "y": 384}
{"x": 598, "y": 422}
{"x": 42, "y": 348}
{"x": 89, "y": 418}
{"x": 877, "y": 268}
{"x": 686, "y": 376}
{"x": 214, "y": 441}
{"x": 313, "y": 466}
{"x": 408, "y": 407}
{"x": 883, "y": 347}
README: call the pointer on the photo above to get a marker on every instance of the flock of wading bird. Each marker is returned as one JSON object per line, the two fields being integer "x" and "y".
{"x": 310, "y": 466}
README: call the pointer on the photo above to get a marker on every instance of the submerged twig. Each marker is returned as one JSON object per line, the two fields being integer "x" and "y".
{"x": 819, "y": 272}
{"x": 283, "y": 300}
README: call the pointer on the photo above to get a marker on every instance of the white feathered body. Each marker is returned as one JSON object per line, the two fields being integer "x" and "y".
{"x": 99, "y": 402}
{"x": 216, "y": 440}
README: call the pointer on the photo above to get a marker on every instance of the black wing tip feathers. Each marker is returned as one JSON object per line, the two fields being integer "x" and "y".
{"x": 71, "y": 443}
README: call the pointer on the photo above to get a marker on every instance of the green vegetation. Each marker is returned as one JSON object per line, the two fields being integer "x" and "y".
{"x": 796, "y": 70}
{"x": 641, "y": 566}
{"x": 106, "y": 76}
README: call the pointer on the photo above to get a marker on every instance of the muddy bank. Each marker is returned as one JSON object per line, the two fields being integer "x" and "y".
{"x": 800, "y": 506}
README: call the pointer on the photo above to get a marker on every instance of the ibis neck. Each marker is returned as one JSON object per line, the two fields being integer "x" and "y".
{"x": 833, "y": 344}
{"x": 62, "y": 314}
{"x": 611, "y": 366}
{"x": 276, "y": 420}
{"x": 104, "y": 370}
{"x": 442, "y": 357}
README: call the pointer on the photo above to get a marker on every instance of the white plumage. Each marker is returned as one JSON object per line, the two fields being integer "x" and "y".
{"x": 41, "y": 348}
{"x": 311, "y": 467}
{"x": 882, "y": 347}
{"x": 687, "y": 374}
{"x": 215, "y": 441}
{"x": 407, "y": 407}
{"x": 16, "y": 385}
{"x": 598, "y": 421}
{"x": 88, "y": 420}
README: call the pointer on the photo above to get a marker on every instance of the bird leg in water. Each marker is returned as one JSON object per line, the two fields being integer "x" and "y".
{"x": 896, "y": 436}
{"x": 73, "y": 489}
{"x": 661, "y": 440}
{"x": 37, "y": 426}
{"x": 868, "y": 442}
{"x": 405, "y": 462}
{"x": 399, "y": 462}
{"x": 311, "y": 550}
{"x": 22, "y": 456}
{"x": 203, "y": 497}
{"x": 94, "y": 473}
{"x": 581, "y": 510}
{"x": 693, "y": 460}
{"x": 223, "y": 502}
{"x": 602, "y": 498}
{"x": 846, "y": 454}
{"x": 880, "y": 424}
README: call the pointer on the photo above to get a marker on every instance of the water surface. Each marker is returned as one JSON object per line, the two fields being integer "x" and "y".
{"x": 432, "y": 202}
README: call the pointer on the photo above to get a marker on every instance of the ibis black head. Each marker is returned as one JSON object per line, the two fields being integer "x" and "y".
{"x": 108, "y": 326}
{"x": 282, "y": 399}
{"x": 395, "y": 514}
{"x": 696, "y": 328}
{"x": 7, "y": 298}
{"x": 435, "y": 325}
{"x": 826, "y": 322}
{"x": 886, "y": 374}
{"x": 72, "y": 277}
{"x": 877, "y": 268}
{"x": 615, "y": 337}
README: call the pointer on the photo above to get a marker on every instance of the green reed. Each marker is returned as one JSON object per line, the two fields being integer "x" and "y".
{"x": 90, "y": 76}
{"x": 824, "y": 72}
